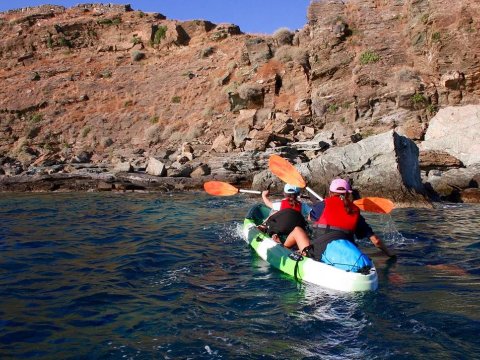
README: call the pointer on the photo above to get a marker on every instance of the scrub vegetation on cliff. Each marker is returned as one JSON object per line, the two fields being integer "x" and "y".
{"x": 226, "y": 93}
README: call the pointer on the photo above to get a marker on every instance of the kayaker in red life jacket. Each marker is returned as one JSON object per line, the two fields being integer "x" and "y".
{"x": 290, "y": 200}
{"x": 337, "y": 217}
{"x": 289, "y": 218}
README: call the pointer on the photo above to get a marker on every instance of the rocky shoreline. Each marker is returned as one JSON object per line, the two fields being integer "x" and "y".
{"x": 101, "y": 97}
{"x": 385, "y": 165}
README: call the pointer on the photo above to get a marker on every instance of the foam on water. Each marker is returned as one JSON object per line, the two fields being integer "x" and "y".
{"x": 391, "y": 235}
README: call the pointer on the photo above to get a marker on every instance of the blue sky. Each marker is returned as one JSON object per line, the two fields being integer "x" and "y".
{"x": 253, "y": 16}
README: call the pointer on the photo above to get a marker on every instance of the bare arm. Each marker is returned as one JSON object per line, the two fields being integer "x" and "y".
{"x": 266, "y": 200}
{"x": 380, "y": 245}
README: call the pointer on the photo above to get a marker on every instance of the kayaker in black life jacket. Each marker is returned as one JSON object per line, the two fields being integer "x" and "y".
{"x": 289, "y": 218}
{"x": 337, "y": 217}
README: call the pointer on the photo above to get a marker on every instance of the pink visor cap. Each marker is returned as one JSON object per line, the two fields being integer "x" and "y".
{"x": 340, "y": 186}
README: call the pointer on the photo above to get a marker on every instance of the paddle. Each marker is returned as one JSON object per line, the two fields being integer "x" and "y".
{"x": 289, "y": 174}
{"x": 219, "y": 188}
{"x": 375, "y": 205}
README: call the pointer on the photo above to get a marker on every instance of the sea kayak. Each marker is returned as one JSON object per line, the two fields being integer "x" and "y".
{"x": 302, "y": 268}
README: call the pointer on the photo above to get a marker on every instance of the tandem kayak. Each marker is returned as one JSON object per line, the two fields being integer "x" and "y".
{"x": 302, "y": 268}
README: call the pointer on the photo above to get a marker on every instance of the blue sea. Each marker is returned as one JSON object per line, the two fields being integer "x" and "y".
{"x": 156, "y": 276}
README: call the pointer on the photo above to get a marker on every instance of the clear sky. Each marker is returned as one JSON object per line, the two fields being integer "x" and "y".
{"x": 253, "y": 16}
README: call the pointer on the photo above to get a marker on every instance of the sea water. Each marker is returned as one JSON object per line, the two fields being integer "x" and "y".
{"x": 154, "y": 276}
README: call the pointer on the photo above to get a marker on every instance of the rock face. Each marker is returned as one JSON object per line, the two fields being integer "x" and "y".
{"x": 115, "y": 83}
{"x": 397, "y": 79}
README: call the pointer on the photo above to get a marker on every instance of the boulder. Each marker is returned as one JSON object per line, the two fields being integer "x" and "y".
{"x": 163, "y": 154}
{"x": 243, "y": 124}
{"x": 258, "y": 142}
{"x": 282, "y": 124}
{"x": 222, "y": 31}
{"x": 382, "y": 165}
{"x": 124, "y": 166}
{"x": 309, "y": 131}
{"x": 258, "y": 50}
{"x": 446, "y": 183}
{"x": 104, "y": 186}
{"x": 453, "y": 80}
{"x": 82, "y": 157}
{"x": 196, "y": 28}
{"x": 180, "y": 170}
{"x": 202, "y": 170}
{"x": 413, "y": 129}
{"x": 186, "y": 148}
{"x": 156, "y": 167}
{"x": 186, "y": 157}
{"x": 455, "y": 130}
{"x": 222, "y": 143}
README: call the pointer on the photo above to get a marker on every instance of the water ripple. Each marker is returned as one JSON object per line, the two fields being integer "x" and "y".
{"x": 142, "y": 276}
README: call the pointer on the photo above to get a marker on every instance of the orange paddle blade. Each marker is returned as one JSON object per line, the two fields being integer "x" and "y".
{"x": 220, "y": 188}
{"x": 375, "y": 205}
{"x": 285, "y": 171}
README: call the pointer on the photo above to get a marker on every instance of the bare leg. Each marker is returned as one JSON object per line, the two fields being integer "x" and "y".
{"x": 297, "y": 237}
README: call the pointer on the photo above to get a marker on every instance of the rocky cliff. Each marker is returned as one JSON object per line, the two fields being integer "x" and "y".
{"x": 106, "y": 89}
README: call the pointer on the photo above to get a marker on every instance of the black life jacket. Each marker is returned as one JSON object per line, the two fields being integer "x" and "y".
{"x": 284, "y": 221}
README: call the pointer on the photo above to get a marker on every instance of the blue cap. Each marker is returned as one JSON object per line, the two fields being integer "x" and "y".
{"x": 290, "y": 189}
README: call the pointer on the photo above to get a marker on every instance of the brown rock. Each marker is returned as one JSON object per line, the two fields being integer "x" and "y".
{"x": 104, "y": 186}
{"x": 223, "y": 143}
{"x": 282, "y": 124}
{"x": 180, "y": 170}
{"x": 471, "y": 195}
{"x": 431, "y": 159}
{"x": 196, "y": 28}
{"x": 200, "y": 171}
{"x": 259, "y": 142}
{"x": 243, "y": 124}
{"x": 413, "y": 129}
{"x": 258, "y": 50}
{"x": 453, "y": 80}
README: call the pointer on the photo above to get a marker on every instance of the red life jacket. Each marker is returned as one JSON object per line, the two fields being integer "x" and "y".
{"x": 285, "y": 204}
{"x": 335, "y": 215}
